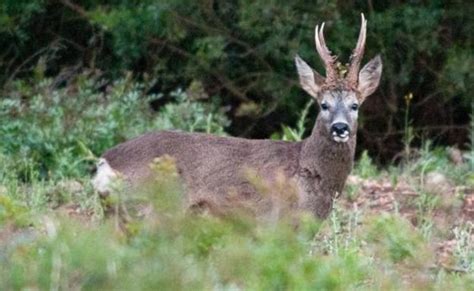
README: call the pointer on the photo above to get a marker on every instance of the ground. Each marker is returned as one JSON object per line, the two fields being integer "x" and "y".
{"x": 410, "y": 226}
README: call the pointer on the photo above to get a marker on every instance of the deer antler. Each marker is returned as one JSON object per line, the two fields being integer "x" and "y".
{"x": 325, "y": 54}
{"x": 357, "y": 54}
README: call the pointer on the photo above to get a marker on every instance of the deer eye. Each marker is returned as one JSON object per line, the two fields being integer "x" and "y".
{"x": 324, "y": 106}
{"x": 354, "y": 106}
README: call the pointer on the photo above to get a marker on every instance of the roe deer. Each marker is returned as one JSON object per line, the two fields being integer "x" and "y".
{"x": 213, "y": 167}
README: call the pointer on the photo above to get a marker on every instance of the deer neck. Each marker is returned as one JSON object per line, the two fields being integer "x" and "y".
{"x": 323, "y": 156}
{"x": 323, "y": 168}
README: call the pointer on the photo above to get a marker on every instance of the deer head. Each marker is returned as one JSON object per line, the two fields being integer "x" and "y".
{"x": 340, "y": 95}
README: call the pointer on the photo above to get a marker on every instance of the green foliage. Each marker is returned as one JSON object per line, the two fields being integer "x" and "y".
{"x": 464, "y": 248}
{"x": 295, "y": 134}
{"x": 64, "y": 259}
{"x": 436, "y": 159}
{"x": 15, "y": 17}
{"x": 365, "y": 167}
{"x": 58, "y": 132}
{"x": 242, "y": 52}
{"x": 171, "y": 249}
{"x": 398, "y": 239}
{"x": 191, "y": 116}
{"x": 229, "y": 58}
{"x": 10, "y": 210}
{"x": 457, "y": 72}
{"x": 176, "y": 251}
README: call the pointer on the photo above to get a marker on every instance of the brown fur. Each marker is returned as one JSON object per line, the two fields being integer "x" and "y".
{"x": 270, "y": 176}
{"x": 214, "y": 167}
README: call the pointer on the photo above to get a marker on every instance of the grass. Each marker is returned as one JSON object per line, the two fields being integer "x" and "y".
{"x": 391, "y": 228}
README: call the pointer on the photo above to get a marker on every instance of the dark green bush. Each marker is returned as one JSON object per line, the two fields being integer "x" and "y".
{"x": 58, "y": 132}
{"x": 242, "y": 53}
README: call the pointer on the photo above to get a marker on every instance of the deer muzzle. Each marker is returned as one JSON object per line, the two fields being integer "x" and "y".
{"x": 340, "y": 132}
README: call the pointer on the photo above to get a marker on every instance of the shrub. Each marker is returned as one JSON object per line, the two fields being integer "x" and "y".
{"x": 243, "y": 51}
{"x": 58, "y": 132}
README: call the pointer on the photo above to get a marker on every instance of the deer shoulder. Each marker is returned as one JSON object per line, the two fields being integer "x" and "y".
{"x": 301, "y": 176}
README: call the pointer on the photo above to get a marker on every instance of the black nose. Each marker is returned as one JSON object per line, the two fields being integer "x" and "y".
{"x": 340, "y": 128}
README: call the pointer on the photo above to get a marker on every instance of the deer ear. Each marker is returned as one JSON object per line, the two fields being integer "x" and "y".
{"x": 310, "y": 80}
{"x": 369, "y": 77}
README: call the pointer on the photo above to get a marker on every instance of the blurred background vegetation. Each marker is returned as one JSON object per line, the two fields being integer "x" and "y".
{"x": 78, "y": 77}
{"x": 234, "y": 59}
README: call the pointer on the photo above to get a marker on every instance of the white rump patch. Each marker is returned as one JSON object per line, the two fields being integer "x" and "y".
{"x": 104, "y": 177}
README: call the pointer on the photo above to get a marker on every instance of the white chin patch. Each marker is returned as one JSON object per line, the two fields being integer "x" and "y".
{"x": 341, "y": 138}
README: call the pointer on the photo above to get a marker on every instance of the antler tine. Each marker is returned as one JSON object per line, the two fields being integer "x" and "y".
{"x": 325, "y": 54}
{"x": 358, "y": 53}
